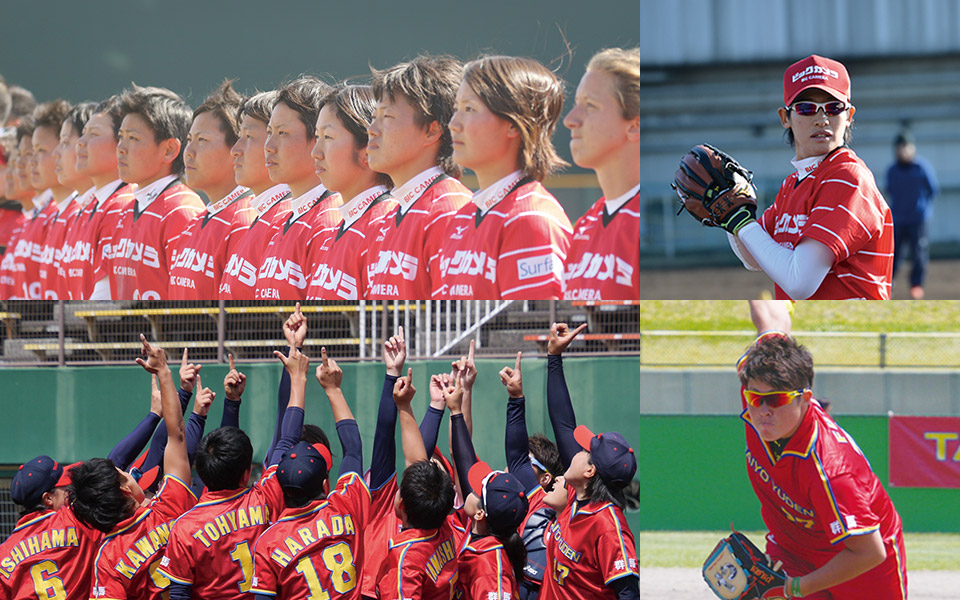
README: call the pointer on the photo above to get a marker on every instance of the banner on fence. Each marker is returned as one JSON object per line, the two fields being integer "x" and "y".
{"x": 925, "y": 452}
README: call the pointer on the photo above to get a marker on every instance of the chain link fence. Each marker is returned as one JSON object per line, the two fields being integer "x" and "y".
{"x": 76, "y": 333}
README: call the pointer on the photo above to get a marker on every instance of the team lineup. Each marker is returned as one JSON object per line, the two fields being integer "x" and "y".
{"x": 350, "y": 192}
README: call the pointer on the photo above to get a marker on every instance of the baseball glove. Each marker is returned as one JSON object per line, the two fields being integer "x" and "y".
{"x": 737, "y": 569}
{"x": 715, "y": 189}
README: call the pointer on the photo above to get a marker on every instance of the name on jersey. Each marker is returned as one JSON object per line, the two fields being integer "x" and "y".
{"x": 765, "y": 477}
{"x": 601, "y": 267}
{"x": 538, "y": 266}
{"x": 283, "y": 270}
{"x": 468, "y": 262}
{"x": 394, "y": 263}
{"x": 243, "y": 270}
{"x": 143, "y": 550}
{"x": 53, "y": 538}
{"x": 327, "y": 526}
{"x": 336, "y": 281}
{"x": 235, "y": 520}
{"x": 791, "y": 224}
{"x": 440, "y": 557}
{"x": 194, "y": 260}
{"x": 562, "y": 545}
{"x": 137, "y": 252}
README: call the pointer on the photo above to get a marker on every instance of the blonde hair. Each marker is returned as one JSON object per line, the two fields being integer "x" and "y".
{"x": 530, "y": 96}
{"x": 624, "y": 65}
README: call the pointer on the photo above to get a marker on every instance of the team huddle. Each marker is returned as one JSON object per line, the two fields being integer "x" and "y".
{"x": 137, "y": 525}
{"x": 339, "y": 192}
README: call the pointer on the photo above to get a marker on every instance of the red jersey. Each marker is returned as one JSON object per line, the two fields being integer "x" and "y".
{"x": 837, "y": 203}
{"x": 24, "y": 267}
{"x": 239, "y": 280}
{"x": 485, "y": 571}
{"x": 146, "y": 239}
{"x": 205, "y": 244}
{"x": 86, "y": 247}
{"x": 421, "y": 564}
{"x": 48, "y": 555}
{"x": 9, "y": 264}
{"x": 11, "y": 220}
{"x": 603, "y": 262}
{"x": 382, "y": 526}
{"x": 588, "y": 546}
{"x": 400, "y": 254}
{"x": 510, "y": 242}
{"x": 338, "y": 254}
{"x": 211, "y": 545}
{"x": 51, "y": 252}
{"x": 127, "y": 561}
{"x": 285, "y": 269}
{"x": 313, "y": 551}
{"x": 819, "y": 492}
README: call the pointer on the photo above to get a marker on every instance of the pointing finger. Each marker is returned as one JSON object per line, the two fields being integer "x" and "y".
{"x": 182, "y": 362}
{"x": 579, "y": 329}
{"x": 232, "y": 367}
{"x": 519, "y": 356}
{"x": 323, "y": 357}
{"x": 473, "y": 344}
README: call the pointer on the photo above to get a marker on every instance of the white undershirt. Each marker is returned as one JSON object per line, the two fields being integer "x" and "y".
{"x": 798, "y": 272}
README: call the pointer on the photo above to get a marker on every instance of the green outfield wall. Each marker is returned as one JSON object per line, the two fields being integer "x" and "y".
{"x": 691, "y": 466}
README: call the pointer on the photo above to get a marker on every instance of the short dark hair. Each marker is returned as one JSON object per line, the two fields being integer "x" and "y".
{"x": 22, "y": 102}
{"x": 26, "y": 127}
{"x": 296, "y": 497}
{"x": 780, "y": 362}
{"x": 51, "y": 114}
{"x": 429, "y": 84}
{"x": 313, "y": 434}
{"x": 354, "y": 106}
{"x": 5, "y": 101}
{"x": 305, "y": 95}
{"x": 79, "y": 115}
{"x": 112, "y": 108}
{"x": 427, "y": 494}
{"x": 164, "y": 111}
{"x": 599, "y": 491}
{"x": 222, "y": 458}
{"x": 224, "y": 103}
{"x": 95, "y": 495}
{"x": 545, "y": 450}
{"x": 258, "y": 106}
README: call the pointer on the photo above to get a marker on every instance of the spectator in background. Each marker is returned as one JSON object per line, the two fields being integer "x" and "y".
{"x": 911, "y": 187}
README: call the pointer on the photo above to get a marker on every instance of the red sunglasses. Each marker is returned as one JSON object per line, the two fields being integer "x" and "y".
{"x": 774, "y": 399}
{"x": 808, "y": 109}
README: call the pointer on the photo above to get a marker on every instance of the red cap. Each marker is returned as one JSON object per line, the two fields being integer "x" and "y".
{"x": 65, "y": 478}
{"x": 816, "y": 72}
{"x": 150, "y": 477}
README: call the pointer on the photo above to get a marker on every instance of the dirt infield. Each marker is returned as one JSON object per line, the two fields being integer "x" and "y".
{"x": 735, "y": 283}
{"x": 687, "y": 584}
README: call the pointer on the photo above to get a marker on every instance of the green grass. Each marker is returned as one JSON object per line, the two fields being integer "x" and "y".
{"x": 925, "y": 551}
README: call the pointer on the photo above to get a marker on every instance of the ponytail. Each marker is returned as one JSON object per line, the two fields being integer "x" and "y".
{"x": 514, "y": 547}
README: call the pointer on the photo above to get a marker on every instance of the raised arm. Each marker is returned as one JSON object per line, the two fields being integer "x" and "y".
{"x": 770, "y": 315}
{"x": 129, "y": 447}
{"x": 559, "y": 405}
{"x": 175, "y": 459}
{"x": 330, "y": 378}
{"x": 189, "y": 372}
{"x": 295, "y": 331}
{"x": 464, "y": 455}
{"x": 403, "y": 392}
{"x": 233, "y": 386}
{"x": 516, "y": 441}
{"x": 296, "y": 365}
{"x": 466, "y": 369}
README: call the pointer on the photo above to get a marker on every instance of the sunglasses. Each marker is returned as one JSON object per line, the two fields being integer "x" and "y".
{"x": 808, "y": 109}
{"x": 774, "y": 399}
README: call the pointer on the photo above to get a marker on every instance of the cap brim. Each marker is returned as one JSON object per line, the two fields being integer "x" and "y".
{"x": 149, "y": 478}
{"x": 583, "y": 436}
{"x": 824, "y": 88}
{"x": 325, "y": 454}
{"x": 65, "y": 477}
{"x": 478, "y": 471}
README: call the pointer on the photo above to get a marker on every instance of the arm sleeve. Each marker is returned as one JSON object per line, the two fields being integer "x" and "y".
{"x": 231, "y": 413}
{"x": 383, "y": 463}
{"x": 517, "y": 444}
{"x": 349, "y": 434}
{"x": 159, "y": 442}
{"x": 283, "y": 398}
{"x": 129, "y": 447}
{"x": 560, "y": 407}
{"x": 742, "y": 253}
{"x": 101, "y": 290}
{"x": 430, "y": 428}
{"x": 798, "y": 272}
{"x": 463, "y": 453}
{"x": 626, "y": 588}
{"x": 179, "y": 591}
{"x": 290, "y": 432}
{"x": 195, "y": 426}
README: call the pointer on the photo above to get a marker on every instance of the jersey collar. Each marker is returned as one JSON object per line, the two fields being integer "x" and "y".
{"x": 359, "y": 204}
{"x": 106, "y": 191}
{"x": 412, "y": 190}
{"x": 41, "y": 200}
{"x": 270, "y": 198}
{"x": 612, "y": 206}
{"x": 87, "y": 197}
{"x": 806, "y": 166}
{"x": 224, "y": 202}
{"x": 147, "y": 194}
{"x": 62, "y": 206}
{"x": 490, "y": 197}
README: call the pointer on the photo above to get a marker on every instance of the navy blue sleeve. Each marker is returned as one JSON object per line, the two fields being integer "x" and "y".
{"x": 561, "y": 410}
{"x": 383, "y": 463}
{"x": 626, "y": 588}
{"x": 517, "y": 444}
{"x": 179, "y": 591}
{"x": 464, "y": 455}
{"x": 430, "y": 428}
{"x": 195, "y": 426}
{"x": 263, "y": 597}
{"x": 231, "y": 413}
{"x": 129, "y": 447}
{"x": 283, "y": 398}
{"x": 352, "y": 445}
{"x": 290, "y": 431}
{"x": 159, "y": 442}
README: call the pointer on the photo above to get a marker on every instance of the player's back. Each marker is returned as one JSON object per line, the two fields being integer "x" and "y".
{"x": 316, "y": 550}
{"x": 48, "y": 555}
{"x": 421, "y": 561}
{"x": 211, "y": 545}
{"x": 382, "y": 527}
